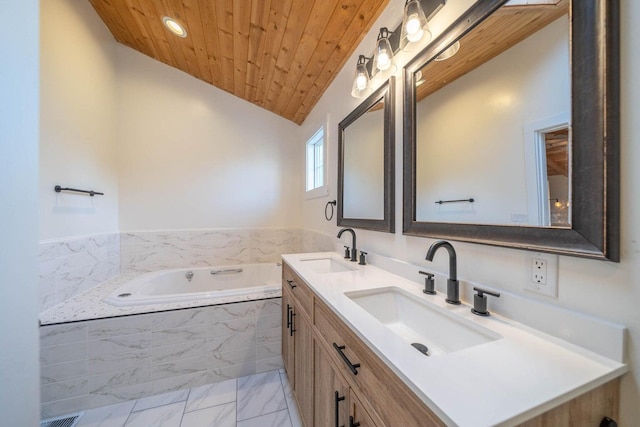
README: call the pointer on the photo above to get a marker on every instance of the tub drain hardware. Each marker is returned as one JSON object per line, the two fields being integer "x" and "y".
{"x": 126, "y": 294}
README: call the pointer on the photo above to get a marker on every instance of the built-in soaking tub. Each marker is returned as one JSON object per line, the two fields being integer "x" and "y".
{"x": 169, "y": 334}
{"x": 206, "y": 283}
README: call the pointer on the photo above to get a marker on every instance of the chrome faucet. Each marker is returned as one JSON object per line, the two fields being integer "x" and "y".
{"x": 354, "y": 251}
{"x": 189, "y": 275}
{"x": 453, "y": 285}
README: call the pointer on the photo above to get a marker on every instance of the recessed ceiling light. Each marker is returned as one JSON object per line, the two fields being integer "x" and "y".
{"x": 174, "y": 26}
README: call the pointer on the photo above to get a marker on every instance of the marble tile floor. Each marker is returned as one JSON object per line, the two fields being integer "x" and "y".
{"x": 260, "y": 400}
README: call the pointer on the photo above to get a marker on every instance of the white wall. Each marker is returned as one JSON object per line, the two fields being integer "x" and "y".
{"x": 193, "y": 156}
{"x": 77, "y": 108}
{"x": 603, "y": 289}
{"x": 19, "y": 358}
{"x": 471, "y": 137}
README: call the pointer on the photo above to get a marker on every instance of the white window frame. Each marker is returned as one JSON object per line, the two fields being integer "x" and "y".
{"x": 311, "y": 168}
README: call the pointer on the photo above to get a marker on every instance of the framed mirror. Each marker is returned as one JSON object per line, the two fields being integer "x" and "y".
{"x": 511, "y": 129}
{"x": 366, "y": 143}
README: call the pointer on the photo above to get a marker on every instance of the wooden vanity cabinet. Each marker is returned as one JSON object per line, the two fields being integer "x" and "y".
{"x": 331, "y": 392}
{"x": 297, "y": 341}
{"x": 322, "y": 356}
{"x": 378, "y": 389}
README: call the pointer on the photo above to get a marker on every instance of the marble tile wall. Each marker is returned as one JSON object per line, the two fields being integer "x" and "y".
{"x": 313, "y": 241}
{"x": 150, "y": 251}
{"x": 71, "y": 266}
{"x": 96, "y": 363}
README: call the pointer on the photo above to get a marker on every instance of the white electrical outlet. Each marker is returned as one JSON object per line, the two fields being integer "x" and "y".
{"x": 542, "y": 274}
{"x": 539, "y": 271}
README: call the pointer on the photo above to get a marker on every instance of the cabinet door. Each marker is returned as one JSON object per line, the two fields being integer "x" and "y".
{"x": 287, "y": 338}
{"x": 303, "y": 366}
{"x": 357, "y": 414}
{"x": 331, "y": 408}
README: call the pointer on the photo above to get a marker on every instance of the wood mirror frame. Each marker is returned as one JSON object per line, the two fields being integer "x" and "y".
{"x": 386, "y": 93}
{"x": 595, "y": 142}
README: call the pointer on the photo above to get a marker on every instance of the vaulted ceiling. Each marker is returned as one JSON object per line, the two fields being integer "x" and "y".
{"x": 278, "y": 54}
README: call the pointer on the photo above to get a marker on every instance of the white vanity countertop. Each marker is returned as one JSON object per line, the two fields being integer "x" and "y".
{"x": 499, "y": 383}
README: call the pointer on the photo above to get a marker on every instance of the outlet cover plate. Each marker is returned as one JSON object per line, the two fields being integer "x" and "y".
{"x": 548, "y": 270}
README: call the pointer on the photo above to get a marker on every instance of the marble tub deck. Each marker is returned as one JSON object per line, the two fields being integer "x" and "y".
{"x": 89, "y": 305}
{"x": 260, "y": 400}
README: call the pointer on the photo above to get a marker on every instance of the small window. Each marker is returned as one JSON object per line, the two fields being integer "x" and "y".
{"x": 316, "y": 164}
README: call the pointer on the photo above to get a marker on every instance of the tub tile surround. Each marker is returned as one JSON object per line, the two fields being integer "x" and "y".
{"x": 95, "y": 354}
{"x": 151, "y": 251}
{"x": 96, "y": 363}
{"x": 71, "y": 266}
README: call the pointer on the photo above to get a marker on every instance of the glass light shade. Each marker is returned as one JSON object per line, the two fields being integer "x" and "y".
{"x": 383, "y": 60}
{"x": 415, "y": 28}
{"x": 383, "y": 55}
{"x": 449, "y": 52}
{"x": 361, "y": 84}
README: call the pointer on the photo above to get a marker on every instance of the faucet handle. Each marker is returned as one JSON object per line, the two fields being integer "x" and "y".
{"x": 480, "y": 301}
{"x": 362, "y": 258}
{"x": 347, "y": 252}
{"x": 429, "y": 283}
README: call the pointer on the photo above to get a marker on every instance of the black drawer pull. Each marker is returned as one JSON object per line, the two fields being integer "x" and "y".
{"x": 292, "y": 330}
{"x": 338, "y": 400}
{"x": 288, "y": 316}
{"x": 352, "y": 367}
{"x": 291, "y": 284}
{"x": 352, "y": 424}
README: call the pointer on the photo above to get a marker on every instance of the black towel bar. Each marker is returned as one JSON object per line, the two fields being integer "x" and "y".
{"x": 439, "y": 202}
{"x": 92, "y": 193}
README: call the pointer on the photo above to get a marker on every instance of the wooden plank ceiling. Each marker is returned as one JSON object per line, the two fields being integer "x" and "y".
{"x": 505, "y": 28}
{"x": 557, "y": 149}
{"x": 278, "y": 54}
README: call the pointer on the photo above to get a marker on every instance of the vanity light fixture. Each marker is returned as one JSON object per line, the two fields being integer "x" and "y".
{"x": 361, "y": 85}
{"x": 383, "y": 61}
{"x": 448, "y": 52}
{"x": 415, "y": 28}
{"x": 174, "y": 26}
{"x": 412, "y": 33}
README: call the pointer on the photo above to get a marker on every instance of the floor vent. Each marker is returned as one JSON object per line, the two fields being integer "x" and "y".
{"x": 66, "y": 421}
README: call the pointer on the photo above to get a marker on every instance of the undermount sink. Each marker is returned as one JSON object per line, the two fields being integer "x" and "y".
{"x": 326, "y": 265}
{"x": 421, "y": 323}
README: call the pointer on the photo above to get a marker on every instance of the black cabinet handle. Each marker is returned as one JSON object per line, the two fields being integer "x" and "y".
{"x": 352, "y": 367}
{"x": 338, "y": 400}
{"x": 352, "y": 424}
{"x": 291, "y": 284}
{"x": 288, "y": 316}
{"x": 292, "y": 330}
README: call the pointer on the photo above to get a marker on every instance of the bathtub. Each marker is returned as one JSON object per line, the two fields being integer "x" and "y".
{"x": 203, "y": 283}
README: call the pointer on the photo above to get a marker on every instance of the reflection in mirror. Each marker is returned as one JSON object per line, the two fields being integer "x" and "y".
{"x": 363, "y": 151}
{"x": 492, "y": 120}
{"x": 366, "y": 163}
{"x": 550, "y": 172}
